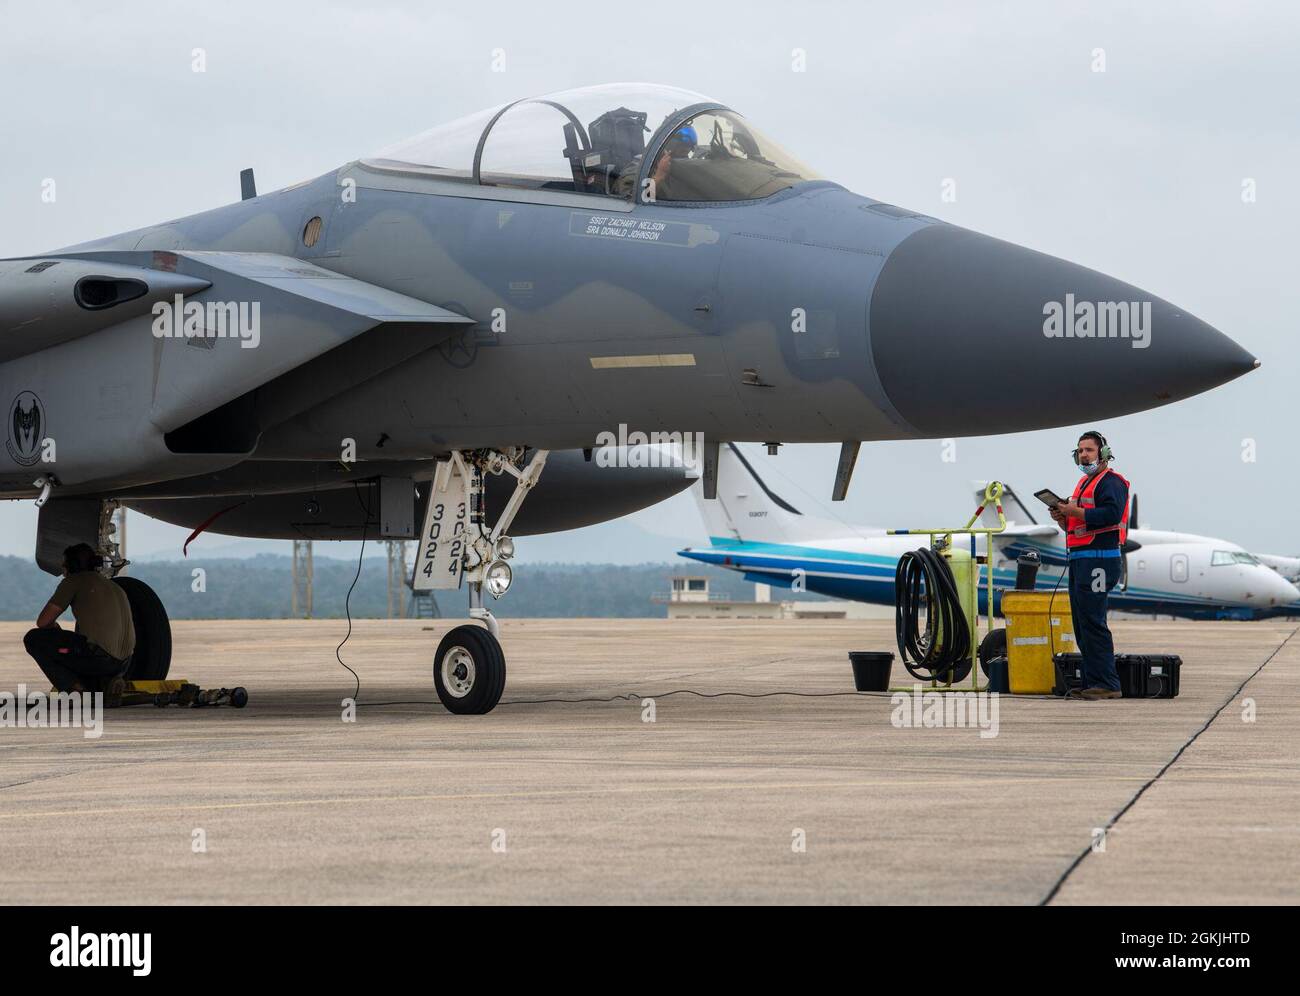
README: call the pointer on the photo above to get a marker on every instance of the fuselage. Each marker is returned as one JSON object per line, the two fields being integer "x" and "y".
{"x": 809, "y": 313}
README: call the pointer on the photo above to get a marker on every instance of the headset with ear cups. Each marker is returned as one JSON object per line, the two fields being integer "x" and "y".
{"x": 1105, "y": 453}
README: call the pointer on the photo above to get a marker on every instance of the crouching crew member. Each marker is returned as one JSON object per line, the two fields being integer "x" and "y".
{"x": 94, "y": 658}
{"x": 1095, "y": 520}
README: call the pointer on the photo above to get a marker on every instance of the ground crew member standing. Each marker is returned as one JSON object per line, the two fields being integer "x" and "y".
{"x": 1095, "y": 520}
{"x": 93, "y": 658}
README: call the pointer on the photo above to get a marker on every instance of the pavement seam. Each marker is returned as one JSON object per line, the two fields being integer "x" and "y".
{"x": 1056, "y": 887}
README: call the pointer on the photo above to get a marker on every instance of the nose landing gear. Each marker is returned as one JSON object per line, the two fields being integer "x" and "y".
{"x": 457, "y": 546}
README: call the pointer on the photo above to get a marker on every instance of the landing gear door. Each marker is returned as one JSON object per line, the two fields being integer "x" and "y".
{"x": 441, "y": 556}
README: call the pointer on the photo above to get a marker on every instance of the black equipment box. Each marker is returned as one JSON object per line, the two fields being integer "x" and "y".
{"x": 1069, "y": 672}
{"x": 1141, "y": 676}
{"x": 1160, "y": 674}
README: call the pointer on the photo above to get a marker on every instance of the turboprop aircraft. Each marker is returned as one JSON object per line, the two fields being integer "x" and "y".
{"x": 362, "y": 350}
{"x": 1287, "y": 567}
{"x": 1164, "y": 573}
{"x": 765, "y": 538}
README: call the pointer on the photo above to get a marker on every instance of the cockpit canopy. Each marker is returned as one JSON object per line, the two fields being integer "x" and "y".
{"x": 596, "y": 140}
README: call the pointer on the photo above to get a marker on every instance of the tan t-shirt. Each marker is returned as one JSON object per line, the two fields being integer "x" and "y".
{"x": 102, "y": 611}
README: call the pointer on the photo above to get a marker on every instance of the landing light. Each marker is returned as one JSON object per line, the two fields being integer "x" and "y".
{"x": 498, "y": 578}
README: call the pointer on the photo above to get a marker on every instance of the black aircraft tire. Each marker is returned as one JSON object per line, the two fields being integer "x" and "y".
{"x": 153, "y": 632}
{"x": 469, "y": 671}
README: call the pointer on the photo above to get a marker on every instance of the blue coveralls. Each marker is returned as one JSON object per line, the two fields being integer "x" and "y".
{"x": 1094, "y": 571}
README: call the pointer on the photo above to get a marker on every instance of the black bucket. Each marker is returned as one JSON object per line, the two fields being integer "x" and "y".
{"x": 871, "y": 669}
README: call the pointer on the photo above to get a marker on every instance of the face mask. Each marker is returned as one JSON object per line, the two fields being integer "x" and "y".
{"x": 1090, "y": 468}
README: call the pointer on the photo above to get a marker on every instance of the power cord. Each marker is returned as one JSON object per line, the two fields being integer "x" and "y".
{"x": 1051, "y": 634}
{"x": 634, "y": 696}
{"x": 347, "y": 601}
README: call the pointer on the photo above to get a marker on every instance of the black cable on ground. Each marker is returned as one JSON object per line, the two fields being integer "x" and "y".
{"x": 635, "y": 696}
{"x": 1167, "y": 765}
{"x": 924, "y": 579}
{"x": 1051, "y": 604}
{"x": 347, "y": 601}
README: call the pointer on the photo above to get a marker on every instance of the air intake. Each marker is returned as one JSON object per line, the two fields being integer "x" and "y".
{"x": 99, "y": 293}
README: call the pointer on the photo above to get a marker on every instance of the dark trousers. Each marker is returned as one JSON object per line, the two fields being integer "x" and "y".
{"x": 1091, "y": 579}
{"x": 68, "y": 658}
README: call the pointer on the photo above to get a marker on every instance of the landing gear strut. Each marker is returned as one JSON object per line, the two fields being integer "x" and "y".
{"x": 457, "y": 546}
{"x": 64, "y": 521}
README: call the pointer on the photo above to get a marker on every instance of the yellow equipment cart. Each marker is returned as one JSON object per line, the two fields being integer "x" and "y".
{"x": 1039, "y": 626}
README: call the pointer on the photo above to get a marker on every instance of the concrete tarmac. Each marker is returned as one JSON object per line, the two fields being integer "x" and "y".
{"x": 554, "y": 802}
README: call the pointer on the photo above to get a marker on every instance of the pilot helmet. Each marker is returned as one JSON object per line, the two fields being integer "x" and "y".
{"x": 681, "y": 142}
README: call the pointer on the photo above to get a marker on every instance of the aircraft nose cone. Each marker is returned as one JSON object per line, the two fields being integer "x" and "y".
{"x": 1269, "y": 589}
{"x": 974, "y": 335}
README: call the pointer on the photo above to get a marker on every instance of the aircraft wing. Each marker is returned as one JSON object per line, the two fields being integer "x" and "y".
{"x": 280, "y": 315}
{"x": 203, "y": 351}
{"x": 1013, "y": 531}
{"x": 303, "y": 312}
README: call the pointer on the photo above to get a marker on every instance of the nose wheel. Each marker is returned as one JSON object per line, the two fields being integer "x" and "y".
{"x": 469, "y": 671}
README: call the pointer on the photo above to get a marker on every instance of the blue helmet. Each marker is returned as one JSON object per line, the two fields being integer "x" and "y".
{"x": 683, "y": 136}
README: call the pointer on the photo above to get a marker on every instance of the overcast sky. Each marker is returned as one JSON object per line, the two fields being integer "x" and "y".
{"x": 1136, "y": 171}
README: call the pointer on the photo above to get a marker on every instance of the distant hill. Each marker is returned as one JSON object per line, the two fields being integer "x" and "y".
{"x": 619, "y": 541}
{"x": 260, "y": 588}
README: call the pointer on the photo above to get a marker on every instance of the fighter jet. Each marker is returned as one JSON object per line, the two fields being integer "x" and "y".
{"x": 361, "y": 352}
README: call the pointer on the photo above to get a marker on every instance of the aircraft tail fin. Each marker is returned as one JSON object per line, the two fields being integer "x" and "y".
{"x": 1015, "y": 509}
{"x": 746, "y": 509}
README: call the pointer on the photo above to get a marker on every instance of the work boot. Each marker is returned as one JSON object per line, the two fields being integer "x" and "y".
{"x": 1095, "y": 694}
{"x": 113, "y": 692}
{"x": 1076, "y": 693}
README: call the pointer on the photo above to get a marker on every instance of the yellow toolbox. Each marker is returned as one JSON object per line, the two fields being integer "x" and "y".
{"x": 1038, "y": 626}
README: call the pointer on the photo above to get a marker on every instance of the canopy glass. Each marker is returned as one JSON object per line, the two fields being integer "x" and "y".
{"x": 594, "y": 141}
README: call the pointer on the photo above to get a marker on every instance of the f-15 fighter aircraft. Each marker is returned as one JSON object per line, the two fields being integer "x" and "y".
{"x": 378, "y": 348}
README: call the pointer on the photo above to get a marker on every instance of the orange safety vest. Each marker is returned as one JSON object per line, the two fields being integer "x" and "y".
{"x": 1077, "y": 533}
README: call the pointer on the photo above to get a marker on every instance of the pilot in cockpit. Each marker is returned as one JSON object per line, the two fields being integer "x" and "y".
{"x": 679, "y": 145}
